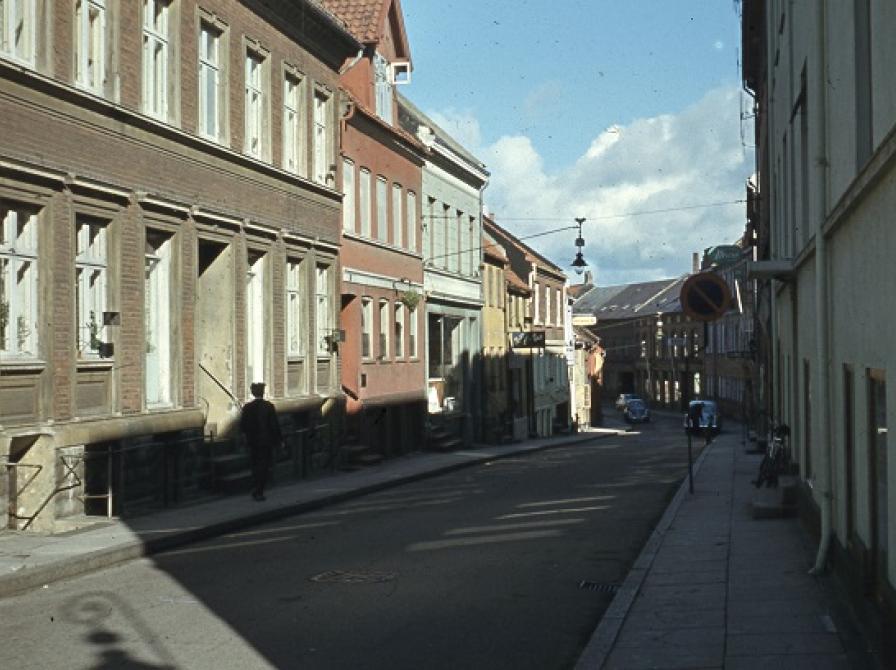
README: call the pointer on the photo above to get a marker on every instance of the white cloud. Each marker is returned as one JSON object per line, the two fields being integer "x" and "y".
{"x": 694, "y": 157}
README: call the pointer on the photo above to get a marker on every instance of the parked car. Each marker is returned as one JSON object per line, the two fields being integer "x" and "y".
{"x": 636, "y": 411}
{"x": 624, "y": 398}
{"x": 710, "y": 417}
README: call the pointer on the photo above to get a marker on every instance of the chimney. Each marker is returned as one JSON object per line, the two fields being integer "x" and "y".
{"x": 695, "y": 263}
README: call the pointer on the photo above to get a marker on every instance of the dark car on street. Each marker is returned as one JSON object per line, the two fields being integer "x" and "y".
{"x": 636, "y": 411}
{"x": 709, "y": 418}
{"x": 624, "y": 399}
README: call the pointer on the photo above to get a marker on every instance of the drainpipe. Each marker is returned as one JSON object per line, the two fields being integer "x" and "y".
{"x": 822, "y": 331}
{"x": 479, "y": 372}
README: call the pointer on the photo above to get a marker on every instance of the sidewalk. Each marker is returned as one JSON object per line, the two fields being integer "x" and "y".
{"x": 30, "y": 561}
{"x": 714, "y": 588}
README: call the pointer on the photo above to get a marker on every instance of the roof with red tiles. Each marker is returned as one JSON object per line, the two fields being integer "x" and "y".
{"x": 363, "y": 17}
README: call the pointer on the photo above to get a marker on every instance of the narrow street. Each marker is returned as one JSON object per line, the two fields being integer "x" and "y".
{"x": 483, "y": 568}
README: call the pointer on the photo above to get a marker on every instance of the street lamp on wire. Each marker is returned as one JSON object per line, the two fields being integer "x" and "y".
{"x": 579, "y": 263}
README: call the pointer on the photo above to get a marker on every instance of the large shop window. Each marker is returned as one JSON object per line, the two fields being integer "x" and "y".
{"x": 18, "y": 282}
{"x": 446, "y": 369}
{"x": 157, "y": 318}
{"x": 90, "y": 272}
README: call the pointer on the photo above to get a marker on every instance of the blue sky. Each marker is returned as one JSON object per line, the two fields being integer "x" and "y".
{"x": 593, "y": 109}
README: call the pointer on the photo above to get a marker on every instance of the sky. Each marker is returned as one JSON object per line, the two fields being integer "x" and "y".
{"x": 603, "y": 109}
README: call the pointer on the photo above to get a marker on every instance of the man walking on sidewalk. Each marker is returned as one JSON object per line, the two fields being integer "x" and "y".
{"x": 259, "y": 424}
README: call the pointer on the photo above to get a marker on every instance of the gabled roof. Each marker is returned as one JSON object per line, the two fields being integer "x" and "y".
{"x": 513, "y": 244}
{"x": 514, "y": 281}
{"x": 366, "y": 20}
{"x": 493, "y": 249}
{"x": 627, "y": 301}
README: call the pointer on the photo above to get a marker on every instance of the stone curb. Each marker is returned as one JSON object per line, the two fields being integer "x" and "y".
{"x": 66, "y": 567}
{"x": 604, "y": 636}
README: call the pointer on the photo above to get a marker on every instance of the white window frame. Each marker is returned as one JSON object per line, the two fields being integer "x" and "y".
{"x": 323, "y": 309}
{"x": 412, "y": 333}
{"x": 559, "y": 307}
{"x": 156, "y": 38}
{"x": 256, "y": 321}
{"x": 19, "y": 338}
{"x": 366, "y": 328}
{"x": 348, "y": 192}
{"x": 382, "y": 75}
{"x": 321, "y": 136}
{"x": 256, "y": 101}
{"x": 547, "y": 305}
{"x": 382, "y": 209}
{"x": 91, "y": 270}
{"x": 397, "y": 228}
{"x": 385, "y": 329}
{"x": 398, "y": 328}
{"x": 411, "y": 220}
{"x": 292, "y": 123}
{"x": 90, "y": 44}
{"x": 295, "y": 335}
{"x": 536, "y": 315}
{"x": 15, "y": 13}
{"x": 210, "y": 68}
{"x": 157, "y": 322}
{"x": 366, "y": 203}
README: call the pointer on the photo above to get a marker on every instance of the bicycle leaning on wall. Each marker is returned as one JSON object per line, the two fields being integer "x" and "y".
{"x": 776, "y": 460}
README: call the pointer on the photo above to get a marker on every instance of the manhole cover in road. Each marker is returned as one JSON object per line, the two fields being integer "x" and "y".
{"x": 596, "y": 586}
{"x": 353, "y": 577}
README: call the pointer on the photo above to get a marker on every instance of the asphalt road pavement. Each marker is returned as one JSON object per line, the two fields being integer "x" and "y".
{"x": 506, "y": 565}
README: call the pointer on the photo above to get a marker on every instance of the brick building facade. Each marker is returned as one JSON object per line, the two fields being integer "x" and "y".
{"x": 168, "y": 201}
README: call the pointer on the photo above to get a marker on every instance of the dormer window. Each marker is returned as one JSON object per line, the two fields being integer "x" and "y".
{"x": 382, "y": 82}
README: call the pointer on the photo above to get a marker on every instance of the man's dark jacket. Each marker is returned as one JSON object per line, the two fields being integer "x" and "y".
{"x": 259, "y": 423}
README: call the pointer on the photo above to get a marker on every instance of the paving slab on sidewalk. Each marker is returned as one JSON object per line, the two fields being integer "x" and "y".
{"x": 716, "y": 588}
{"x": 29, "y": 560}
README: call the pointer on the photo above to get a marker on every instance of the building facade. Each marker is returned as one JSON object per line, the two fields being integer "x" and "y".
{"x": 823, "y": 85}
{"x": 453, "y": 181}
{"x": 382, "y": 308}
{"x": 167, "y": 239}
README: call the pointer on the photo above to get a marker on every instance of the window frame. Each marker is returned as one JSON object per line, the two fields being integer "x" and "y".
{"x": 398, "y": 328}
{"x": 8, "y": 48}
{"x": 383, "y": 86}
{"x": 349, "y": 206}
{"x": 158, "y": 280}
{"x": 90, "y": 43}
{"x": 411, "y": 220}
{"x": 295, "y": 308}
{"x": 257, "y": 329}
{"x": 366, "y": 328}
{"x": 256, "y": 101}
{"x": 397, "y": 221}
{"x": 293, "y": 135}
{"x": 413, "y": 352}
{"x": 365, "y": 185}
{"x": 155, "y": 96}
{"x": 322, "y": 143}
{"x": 323, "y": 312}
{"x": 92, "y": 257}
{"x": 216, "y": 66}
{"x": 20, "y": 307}
{"x": 382, "y": 209}
{"x": 385, "y": 330}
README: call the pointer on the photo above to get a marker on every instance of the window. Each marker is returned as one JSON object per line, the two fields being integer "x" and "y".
{"x": 878, "y": 480}
{"x": 348, "y": 191}
{"x": 536, "y": 317}
{"x": 366, "y": 327}
{"x": 547, "y": 304}
{"x": 209, "y": 82}
{"x": 254, "y": 104}
{"x": 155, "y": 57}
{"x": 559, "y": 308}
{"x": 90, "y": 44}
{"x": 382, "y": 204}
{"x": 383, "y": 88}
{"x": 399, "y": 330}
{"x": 90, "y": 278}
{"x": 323, "y": 315}
{"x": 157, "y": 318}
{"x": 295, "y": 336}
{"x": 365, "y": 202}
{"x": 292, "y": 124}
{"x": 17, "y": 30}
{"x": 849, "y": 408}
{"x": 411, "y": 219}
{"x": 255, "y": 317}
{"x": 321, "y": 137}
{"x": 453, "y": 224}
{"x": 396, "y": 215}
{"x": 412, "y": 332}
{"x": 18, "y": 282}
{"x": 384, "y": 330}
